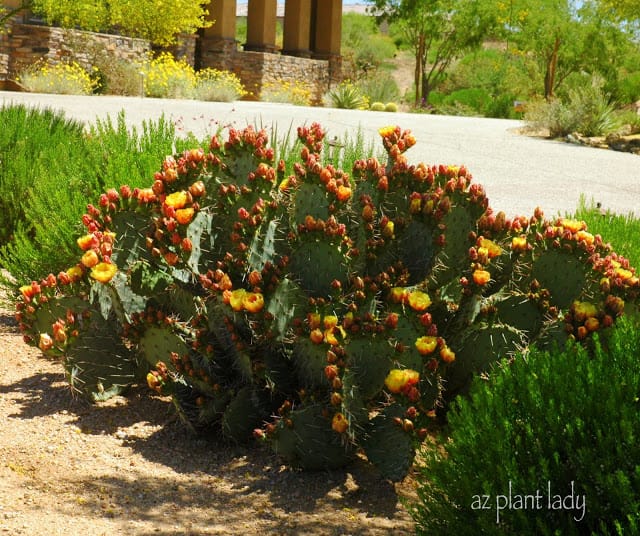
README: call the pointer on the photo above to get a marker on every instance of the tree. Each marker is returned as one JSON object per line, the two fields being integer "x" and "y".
{"x": 439, "y": 31}
{"x": 156, "y": 20}
{"x": 563, "y": 37}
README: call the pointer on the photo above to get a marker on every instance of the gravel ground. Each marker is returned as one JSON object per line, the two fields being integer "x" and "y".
{"x": 129, "y": 467}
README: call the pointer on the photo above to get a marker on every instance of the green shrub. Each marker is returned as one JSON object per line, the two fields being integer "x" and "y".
{"x": 379, "y": 87}
{"x": 474, "y": 99}
{"x": 51, "y": 193}
{"x": 585, "y": 109}
{"x": 563, "y": 422}
{"x": 31, "y": 144}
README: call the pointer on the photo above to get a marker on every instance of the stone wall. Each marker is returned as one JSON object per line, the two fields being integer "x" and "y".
{"x": 255, "y": 69}
{"x": 25, "y": 44}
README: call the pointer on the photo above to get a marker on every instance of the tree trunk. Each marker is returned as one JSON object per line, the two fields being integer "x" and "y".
{"x": 550, "y": 75}
{"x": 419, "y": 72}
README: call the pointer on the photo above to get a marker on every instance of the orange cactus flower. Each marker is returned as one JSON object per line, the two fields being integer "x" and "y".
{"x": 146, "y": 195}
{"x": 314, "y": 320}
{"x": 316, "y": 336}
{"x": 90, "y": 259}
{"x": 573, "y": 225}
{"x": 75, "y": 273}
{"x": 426, "y": 345}
{"x": 387, "y": 131}
{"x": 419, "y": 301}
{"x": 399, "y": 295}
{"x": 493, "y": 249}
{"x": 103, "y": 272}
{"x": 343, "y": 193}
{"x": 519, "y": 243}
{"x": 46, "y": 342}
{"x": 87, "y": 242}
{"x": 185, "y": 215}
{"x": 339, "y": 423}
{"x": 330, "y": 321}
{"x": 587, "y": 238}
{"x": 253, "y": 302}
{"x": 481, "y": 277}
{"x": 447, "y": 354}
{"x": 176, "y": 200}
{"x": 399, "y": 379}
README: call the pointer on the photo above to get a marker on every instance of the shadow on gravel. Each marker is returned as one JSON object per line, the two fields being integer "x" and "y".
{"x": 223, "y": 479}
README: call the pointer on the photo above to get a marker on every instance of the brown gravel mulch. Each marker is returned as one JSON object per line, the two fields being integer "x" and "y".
{"x": 129, "y": 467}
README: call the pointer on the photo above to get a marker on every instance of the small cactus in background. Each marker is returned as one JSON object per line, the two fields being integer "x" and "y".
{"x": 323, "y": 312}
{"x": 391, "y": 107}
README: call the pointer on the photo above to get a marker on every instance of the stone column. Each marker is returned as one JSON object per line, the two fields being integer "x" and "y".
{"x": 297, "y": 28}
{"x": 261, "y": 26}
{"x": 327, "y": 28}
{"x": 218, "y": 44}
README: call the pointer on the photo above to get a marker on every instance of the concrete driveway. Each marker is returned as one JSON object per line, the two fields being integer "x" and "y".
{"x": 518, "y": 172}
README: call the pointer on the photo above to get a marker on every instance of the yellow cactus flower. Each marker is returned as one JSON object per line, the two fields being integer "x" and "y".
{"x": 426, "y": 345}
{"x": 419, "y": 301}
{"x": 103, "y": 272}
{"x": 176, "y": 200}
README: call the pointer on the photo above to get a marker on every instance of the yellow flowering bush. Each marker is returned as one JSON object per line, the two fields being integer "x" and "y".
{"x": 166, "y": 77}
{"x": 61, "y": 78}
{"x": 288, "y": 92}
{"x": 217, "y": 85}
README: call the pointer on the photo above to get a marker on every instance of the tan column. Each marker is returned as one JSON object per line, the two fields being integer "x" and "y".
{"x": 297, "y": 28}
{"x": 327, "y": 28}
{"x": 261, "y": 26}
{"x": 223, "y": 15}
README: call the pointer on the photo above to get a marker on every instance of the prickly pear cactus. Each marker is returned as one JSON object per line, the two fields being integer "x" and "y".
{"x": 324, "y": 312}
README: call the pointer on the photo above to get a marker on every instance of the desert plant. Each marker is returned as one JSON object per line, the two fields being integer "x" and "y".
{"x": 377, "y": 107}
{"x": 62, "y": 78}
{"x": 347, "y": 95}
{"x": 391, "y": 107}
{"x": 338, "y": 303}
{"x": 546, "y": 426}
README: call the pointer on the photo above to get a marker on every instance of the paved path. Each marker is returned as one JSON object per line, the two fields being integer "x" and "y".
{"x": 518, "y": 172}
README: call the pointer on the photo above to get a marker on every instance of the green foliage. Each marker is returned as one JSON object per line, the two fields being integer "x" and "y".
{"x": 438, "y": 32}
{"x": 31, "y": 142}
{"x": 563, "y": 422}
{"x": 363, "y": 45}
{"x": 47, "y": 195}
